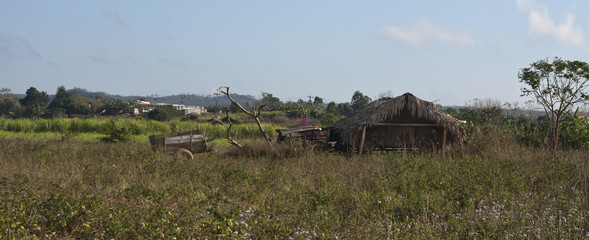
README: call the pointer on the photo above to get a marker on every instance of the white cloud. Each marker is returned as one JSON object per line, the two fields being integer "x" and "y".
{"x": 427, "y": 32}
{"x": 542, "y": 24}
{"x": 524, "y": 4}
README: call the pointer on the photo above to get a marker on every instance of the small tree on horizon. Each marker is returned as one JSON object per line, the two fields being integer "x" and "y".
{"x": 34, "y": 102}
{"x": 557, "y": 86}
{"x": 62, "y": 102}
{"x": 359, "y": 100}
{"x": 9, "y": 104}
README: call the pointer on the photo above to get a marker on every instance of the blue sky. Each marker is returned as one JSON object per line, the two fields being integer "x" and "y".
{"x": 445, "y": 51}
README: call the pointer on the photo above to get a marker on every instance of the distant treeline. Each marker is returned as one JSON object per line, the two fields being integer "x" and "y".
{"x": 187, "y": 99}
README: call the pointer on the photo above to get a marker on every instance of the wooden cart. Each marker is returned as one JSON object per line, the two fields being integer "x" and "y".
{"x": 304, "y": 133}
{"x": 184, "y": 144}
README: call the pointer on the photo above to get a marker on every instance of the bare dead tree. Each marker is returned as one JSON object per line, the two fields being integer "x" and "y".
{"x": 229, "y": 138}
{"x": 254, "y": 113}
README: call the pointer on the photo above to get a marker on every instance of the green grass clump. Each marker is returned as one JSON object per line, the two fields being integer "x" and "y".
{"x": 85, "y": 190}
{"x": 136, "y": 127}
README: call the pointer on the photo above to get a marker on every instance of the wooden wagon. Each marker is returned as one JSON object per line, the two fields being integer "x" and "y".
{"x": 184, "y": 144}
{"x": 303, "y": 133}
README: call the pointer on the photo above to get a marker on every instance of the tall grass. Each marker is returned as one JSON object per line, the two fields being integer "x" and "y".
{"x": 136, "y": 127}
{"x": 490, "y": 188}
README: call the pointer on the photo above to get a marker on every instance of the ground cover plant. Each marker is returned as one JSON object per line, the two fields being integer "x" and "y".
{"x": 490, "y": 188}
{"x": 141, "y": 128}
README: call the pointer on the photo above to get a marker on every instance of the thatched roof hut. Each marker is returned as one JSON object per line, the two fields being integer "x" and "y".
{"x": 401, "y": 122}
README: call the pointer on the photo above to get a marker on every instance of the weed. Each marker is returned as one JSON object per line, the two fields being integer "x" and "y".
{"x": 79, "y": 189}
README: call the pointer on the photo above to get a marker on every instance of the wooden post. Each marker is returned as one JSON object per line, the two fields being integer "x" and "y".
{"x": 152, "y": 141}
{"x": 362, "y": 138}
{"x": 444, "y": 141}
{"x": 191, "y": 149}
{"x": 165, "y": 141}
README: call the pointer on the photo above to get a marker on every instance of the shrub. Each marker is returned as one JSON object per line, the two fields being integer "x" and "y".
{"x": 574, "y": 131}
{"x": 163, "y": 114}
{"x": 190, "y": 117}
{"x": 329, "y": 119}
{"x": 117, "y": 133}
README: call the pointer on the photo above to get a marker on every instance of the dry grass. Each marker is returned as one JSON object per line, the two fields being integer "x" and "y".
{"x": 52, "y": 189}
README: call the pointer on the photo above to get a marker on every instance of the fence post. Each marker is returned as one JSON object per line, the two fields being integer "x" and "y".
{"x": 362, "y": 138}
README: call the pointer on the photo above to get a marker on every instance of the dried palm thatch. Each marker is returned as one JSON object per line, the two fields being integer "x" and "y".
{"x": 387, "y": 109}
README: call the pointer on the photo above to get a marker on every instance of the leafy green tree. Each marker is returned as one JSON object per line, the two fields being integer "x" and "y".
{"x": 452, "y": 111}
{"x": 114, "y": 106}
{"x": 163, "y": 113}
{"x": 557, "y": 86}
{"x": 318, "y": 101}
{"x": 34, "y": 102}
{"x": 359, "y": 100}
{"x": 481, "y": 111}
{"x": 271, "y": 102}
{"x": 344, "y": 109}
{"x": 331, "y": 108}
{"x": 9, "y": 105}
{"x": 84, "y": 105}
{"x": 296, "y": 109}
{"x": 62, "y": 103}
{"x": 329, "y": 119}
{"x": 483, "y": 115}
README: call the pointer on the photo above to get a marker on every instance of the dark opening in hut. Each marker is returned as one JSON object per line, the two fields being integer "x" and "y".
{"x": 398, "y": 123}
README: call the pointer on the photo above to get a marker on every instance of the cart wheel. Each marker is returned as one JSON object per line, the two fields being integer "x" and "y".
{"x": 184, "y": 153}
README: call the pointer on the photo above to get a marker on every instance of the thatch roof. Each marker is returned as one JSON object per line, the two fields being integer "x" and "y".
{"x": 389, "y": 108}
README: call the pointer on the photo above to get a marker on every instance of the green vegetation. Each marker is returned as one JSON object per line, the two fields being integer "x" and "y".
{"x": 491, "y": 188}
{"x": 163, "y": 114}
{"x": 58, "y": 181}
{"x": 557, "y": 86}
{"x": 135, "y": 127}
{"x": 34, "y": 103}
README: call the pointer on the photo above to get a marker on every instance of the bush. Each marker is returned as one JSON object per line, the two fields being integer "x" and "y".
{"x": 482, "y": 115}
{"x": 574, "y": 131}
{"x": 117, "y": 133}
{"x": 329, "y": 119}
{"x": 190, "y": 117}
{"x": 163, "y": 114}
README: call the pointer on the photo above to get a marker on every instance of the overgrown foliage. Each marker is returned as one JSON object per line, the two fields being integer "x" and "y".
{"x": 62, "y": 103}
{"x": 136, "y": 127}
{"x": 557, "y": 86}
{"x": 117, "y": 133}
{"x": 9, "y": 104}
{"x": 34, "y": 103}
{"x": 492, "y": 188}
{"x": 529, "y": 130}
{"x": 163, "y": 113}
{"x": 359, "y": 100}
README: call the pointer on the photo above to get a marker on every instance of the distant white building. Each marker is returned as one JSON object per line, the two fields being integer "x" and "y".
{"x": 185, "y": 109}
{"x": 142, "y": 107}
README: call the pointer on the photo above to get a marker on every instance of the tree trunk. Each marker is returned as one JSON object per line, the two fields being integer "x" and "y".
{"x": 230, "y": 140}
{"x": 264, "y": 133}
{"x": 556, "y": 133}
{"x": 253, "y": 113}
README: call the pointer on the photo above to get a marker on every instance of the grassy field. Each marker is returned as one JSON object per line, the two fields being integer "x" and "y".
{"x": 140, "y": 129}
{"x": 491, "y": 188}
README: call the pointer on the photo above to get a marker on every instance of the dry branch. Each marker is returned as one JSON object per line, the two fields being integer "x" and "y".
{"x": 229, "y": 138}
{"x": 253, "y": 113}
